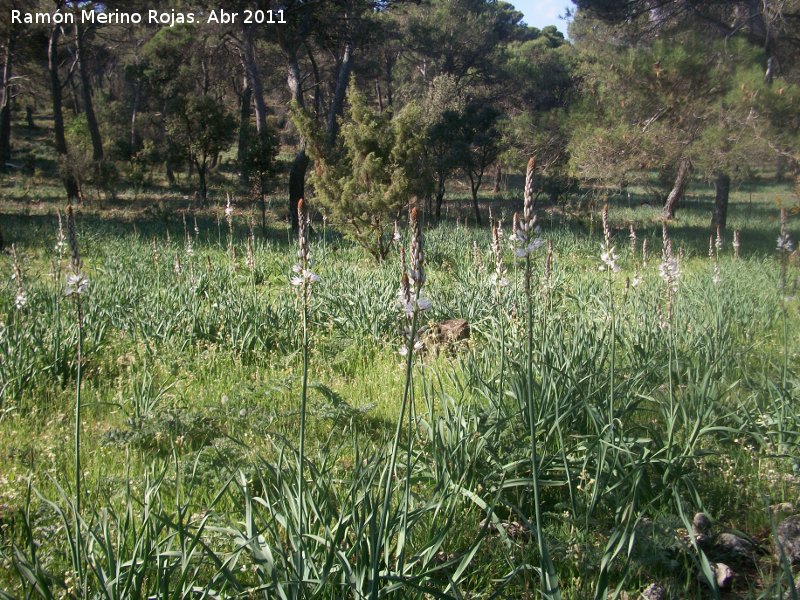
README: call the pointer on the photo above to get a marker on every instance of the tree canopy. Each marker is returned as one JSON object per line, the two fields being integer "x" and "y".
{"x": 643, "y": 92}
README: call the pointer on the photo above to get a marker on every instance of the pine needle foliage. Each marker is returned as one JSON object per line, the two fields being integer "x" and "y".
{"x": 365, "y": 178}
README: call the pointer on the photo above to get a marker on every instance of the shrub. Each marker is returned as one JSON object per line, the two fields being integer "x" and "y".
{"x": 363, "y": 182}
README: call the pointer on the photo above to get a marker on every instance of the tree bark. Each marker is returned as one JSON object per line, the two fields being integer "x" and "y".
{"x": 73, "y": 94}
{"x": 169, "y": 173}
{"x": 70, "y": 183}
{"x": 137, "y": 96}
{"x": 474, "y": 185}
{"x": 723, "y": 187}
{"x": 86, "y": 95}
{"x": 337, "y": 101}
{"x": 780, "y": 168}
{"x": 317, "y": 82}
{"x": 676, "y": 194}
{"x": 201, "y": 175}
{"x": 255, "y": 81}
{"x": 255, "y": 84}
{"x": 758, "y": 24}
{"x": 244, "y": 131}
{"x": 440, "y": 190}
{"x": 5, "y": 105}
{"x": 498, "y": 175}
{"x": 390, "y": 60}
{"x": 378, "y": 94}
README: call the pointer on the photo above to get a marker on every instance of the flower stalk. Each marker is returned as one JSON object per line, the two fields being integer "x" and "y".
{"x": 21, "y": 297}
{"x": 412, "y": 302}
{"x": 526, "y": 243}
{"x": 76, "y": 286}
{"x": 303, "y": 280}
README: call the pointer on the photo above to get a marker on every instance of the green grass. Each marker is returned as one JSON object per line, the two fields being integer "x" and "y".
{"x": 191, "y": 398}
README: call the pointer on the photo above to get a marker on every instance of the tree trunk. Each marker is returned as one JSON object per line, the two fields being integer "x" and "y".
{"x": 676, "y": 194}
{"x": 378, "y": 94}
{"x": 293, "y": 77}
{"x": 498, "y": 175}
{"x": 201, "y": 174}
{"x": 723, "y": 187}
{"x": 73, "y": 93}
{"x": 244, "y": 133}
{"x": 5, "y": 106}
{"x": 337, "y": 102}
{"x": 86, "y": 93}
{"x": 780, "y": 168}
{"x": 474, "y": 186}
{"x": 317, "y": 82}
{"x": 440, "y": 190}
{"x": 29, "y": 117}
{"x": 169, "y": 173}
{"x": 390, "y": 60}
{"x": 70, "y": 184}
{"x": 137, "y": 96}
{"x": 255, "y": 81}
{"x": 758, "y": 24}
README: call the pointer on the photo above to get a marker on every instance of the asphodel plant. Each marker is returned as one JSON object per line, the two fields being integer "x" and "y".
{"x": 526, "y": 241}
{"x": 412, "y": 303}
{"x": 303, "y": 279}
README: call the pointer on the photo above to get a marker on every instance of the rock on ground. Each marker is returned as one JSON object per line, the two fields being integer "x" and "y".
{"x": 446, "y": 333}
{"x": 788, "y": 538}
{"x": 724, "y": 575}
{"x": 654, "y": 591}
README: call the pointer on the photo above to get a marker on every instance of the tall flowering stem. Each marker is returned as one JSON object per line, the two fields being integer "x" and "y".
{"x": 608, "y": 254}
{"x": 547, "y": 279}
{"x": 477, "y": 259}
{"x": 644, "y": 253}
{"x": 669, "y": 270}
{"x": 608, "y": 257}
{"x": 637, "y": 279}
{"x": 785, "y": 247}
{"x": 60, "y": 247}
{"x": 76, "y": 286}
{"x": 250, "y": 259}
{"x": 229, "y": 217}
{"x": 526, "y": 242}
{"x": 714, "y": 251}
{"x": 303, "y": 279}
{"x": 21, "y": 298}
{"x": 412, "y": 303}
{"x": 500, "y": 279}
{"x": 500, "y": 283}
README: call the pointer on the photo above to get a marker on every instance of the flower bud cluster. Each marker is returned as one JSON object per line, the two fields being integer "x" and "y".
{"x": 77, "y": 283}
{"x": 525, "y": 229}
{"x": 303, "y": 275}
{"x": 608, "y": 254}
{"x": 412, "y": 280}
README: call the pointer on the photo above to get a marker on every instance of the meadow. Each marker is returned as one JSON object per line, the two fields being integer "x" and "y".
{"x": 238, "y": 438}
